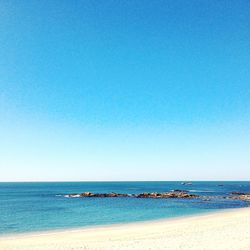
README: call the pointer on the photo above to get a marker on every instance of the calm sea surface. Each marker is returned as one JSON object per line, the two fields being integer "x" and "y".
{"x": 26, "y": 207}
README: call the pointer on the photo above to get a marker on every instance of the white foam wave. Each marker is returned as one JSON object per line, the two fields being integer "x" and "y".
{"x": 200, "y": 191}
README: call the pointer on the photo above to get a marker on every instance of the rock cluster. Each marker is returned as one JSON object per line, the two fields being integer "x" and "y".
{"x": 240, "y": 196}
{"x": 167, "y": 195}
{"x": 238, "y": 193}
{"x": 182, "y": 194}
{"x": 176, "y": 194}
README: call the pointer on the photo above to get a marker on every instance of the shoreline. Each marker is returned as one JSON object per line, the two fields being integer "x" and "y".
{"x": 234, "y": 222}
{"x": 119, "y": 224}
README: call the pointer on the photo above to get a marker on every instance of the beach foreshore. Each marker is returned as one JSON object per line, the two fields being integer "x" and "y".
{"x": 227, "y": 229}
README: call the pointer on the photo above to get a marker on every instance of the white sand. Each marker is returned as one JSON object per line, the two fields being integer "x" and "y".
{"x": 220, "y": 230}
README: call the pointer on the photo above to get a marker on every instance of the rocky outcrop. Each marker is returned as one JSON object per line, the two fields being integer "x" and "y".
{"x": 245, "y": 197}
{"x": 176, "y": 194}
{"x": 167, "y": 195}
{"x": 181, "y": 194}
{"x": 89, "y": 194}
{"x": 240, "y": 196}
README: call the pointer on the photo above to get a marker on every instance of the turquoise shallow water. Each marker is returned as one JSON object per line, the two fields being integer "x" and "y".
{"x": 26, "y": 207}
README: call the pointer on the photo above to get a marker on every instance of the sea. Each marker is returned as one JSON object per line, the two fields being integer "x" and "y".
{"x": 42, "y": 206}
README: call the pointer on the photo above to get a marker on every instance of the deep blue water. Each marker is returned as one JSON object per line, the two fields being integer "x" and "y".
{"x": 26, "y": 207}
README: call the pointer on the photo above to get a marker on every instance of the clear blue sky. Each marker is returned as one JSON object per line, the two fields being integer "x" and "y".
{"x": 124, "y": 90}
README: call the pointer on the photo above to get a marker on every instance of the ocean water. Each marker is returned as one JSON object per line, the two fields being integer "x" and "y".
{"x": 26, "y": 207}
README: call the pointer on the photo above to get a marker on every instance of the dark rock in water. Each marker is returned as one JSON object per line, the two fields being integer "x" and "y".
{"x": 86, "y": 194}
{"x": 178, "y": 194}
{"x": 220, "y": 185}
{"x": 143, "y": 195}
{"x": 244, "y": 197}
{"x": 240, "y": 196}
{"x": 166, "y": 195}
{"x": 239, "y": 193}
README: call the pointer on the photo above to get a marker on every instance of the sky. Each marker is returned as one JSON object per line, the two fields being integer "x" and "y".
{"x": 124, "y": 90}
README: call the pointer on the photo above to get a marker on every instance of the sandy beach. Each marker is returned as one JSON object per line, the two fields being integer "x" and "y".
{"x": 228, "y": 229}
